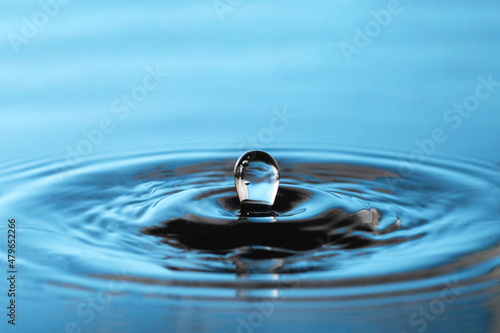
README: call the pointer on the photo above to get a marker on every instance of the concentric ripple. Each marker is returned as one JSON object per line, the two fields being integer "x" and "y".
{"x": 418, "y": 225}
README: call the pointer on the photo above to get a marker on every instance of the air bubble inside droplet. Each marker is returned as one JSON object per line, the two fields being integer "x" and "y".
{"x": 256, "y": 177}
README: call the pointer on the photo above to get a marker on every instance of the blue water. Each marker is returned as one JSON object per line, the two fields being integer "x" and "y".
{"x": 114, "y": 112}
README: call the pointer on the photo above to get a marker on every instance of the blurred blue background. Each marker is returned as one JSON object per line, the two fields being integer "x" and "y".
{"x": 230, "y": 64}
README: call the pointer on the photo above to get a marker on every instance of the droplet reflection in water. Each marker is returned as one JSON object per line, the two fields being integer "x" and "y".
{"x": 256, "y": 177}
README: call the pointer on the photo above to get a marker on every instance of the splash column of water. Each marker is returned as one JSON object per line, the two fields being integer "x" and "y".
{"x": 256, "y": 177}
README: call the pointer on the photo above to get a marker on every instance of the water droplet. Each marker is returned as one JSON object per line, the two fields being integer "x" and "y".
{"x": 256, "y": 177}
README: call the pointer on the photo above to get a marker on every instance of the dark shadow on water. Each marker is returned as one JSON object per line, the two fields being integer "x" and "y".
{"x": 270, "y": 237}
